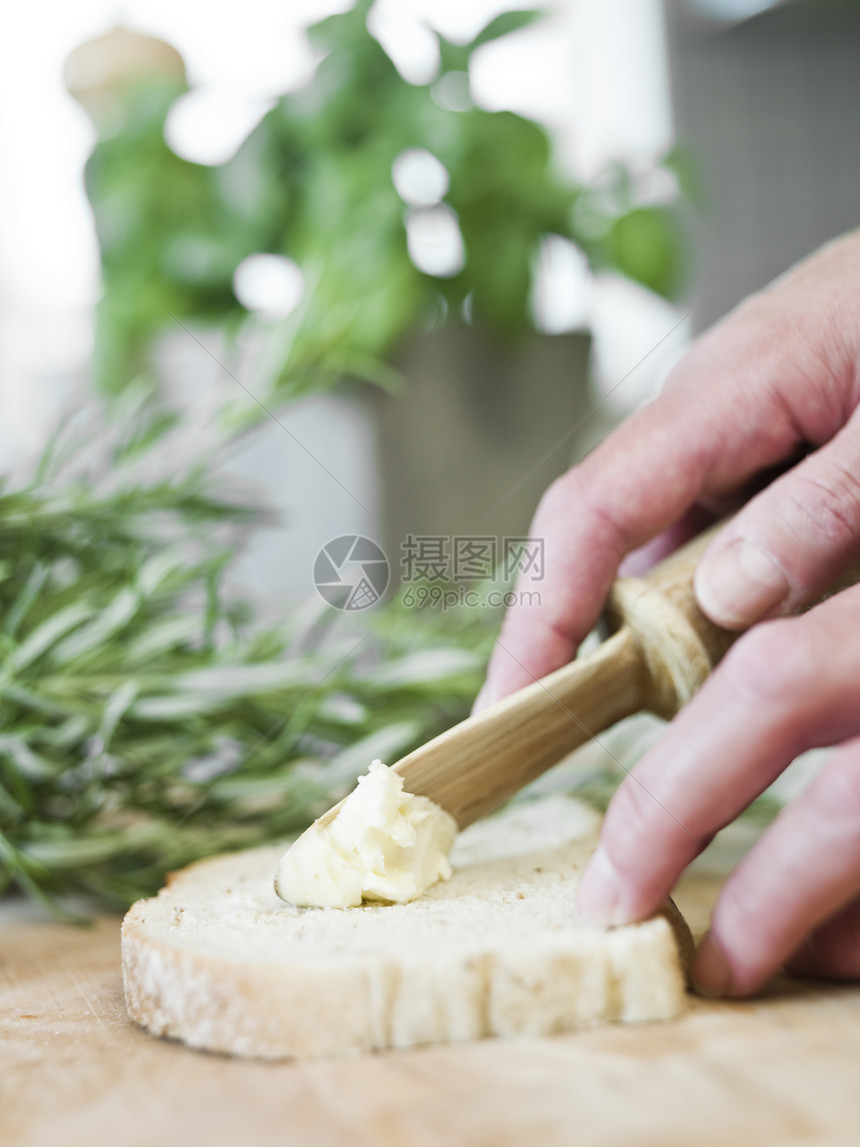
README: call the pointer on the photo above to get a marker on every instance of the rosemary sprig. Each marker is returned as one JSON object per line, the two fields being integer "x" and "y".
{"x": 145, "y": 721}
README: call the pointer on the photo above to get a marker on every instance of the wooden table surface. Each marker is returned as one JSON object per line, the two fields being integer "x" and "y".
{"x": 73, "y": 1070}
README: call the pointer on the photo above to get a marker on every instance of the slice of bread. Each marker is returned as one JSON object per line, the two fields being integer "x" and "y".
{"x": 217, "y": 960}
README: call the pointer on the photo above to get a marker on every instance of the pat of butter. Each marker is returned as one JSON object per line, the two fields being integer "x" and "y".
{"x": 383, "y": 845}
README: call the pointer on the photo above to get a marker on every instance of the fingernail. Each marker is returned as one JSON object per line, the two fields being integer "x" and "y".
{"x": 739, "y": 584}
{"x": 712, "y": 975}
{"x": 599, "y": 898}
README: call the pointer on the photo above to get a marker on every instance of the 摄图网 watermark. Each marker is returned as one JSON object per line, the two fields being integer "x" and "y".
{"x": 352, "y": 572}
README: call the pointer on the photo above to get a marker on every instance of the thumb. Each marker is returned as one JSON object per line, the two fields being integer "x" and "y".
{"x": 791, "y": 542}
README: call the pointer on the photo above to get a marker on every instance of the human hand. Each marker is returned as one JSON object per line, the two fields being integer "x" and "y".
{"x": 778, "y": 377}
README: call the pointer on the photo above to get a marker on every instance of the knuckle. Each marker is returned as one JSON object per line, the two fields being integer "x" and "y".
{"x": 830, "y": 504}
{"x": 836, "y": 796}
{"x": 739, "y": 919}
{"x": 618, "y": 531}
{"x": 756, "y": 322}
{"x": 633, "y": 807}
{"x": 772, "y": 661}
{"x": 636, "y": 814}
{"x": 585, "y": 489}
{"x": 557, "y": 498}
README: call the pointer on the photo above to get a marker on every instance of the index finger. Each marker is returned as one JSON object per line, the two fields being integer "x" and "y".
{"x": 722, "y": 418}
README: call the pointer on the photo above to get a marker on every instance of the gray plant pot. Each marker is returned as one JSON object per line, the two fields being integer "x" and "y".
{"x": 480, "y": 431}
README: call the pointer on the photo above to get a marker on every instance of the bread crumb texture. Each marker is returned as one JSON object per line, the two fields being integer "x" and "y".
{"x": 219, "y": 961}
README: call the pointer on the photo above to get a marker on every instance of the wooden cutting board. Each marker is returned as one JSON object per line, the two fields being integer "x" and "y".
{"x": 74, "y": 1072}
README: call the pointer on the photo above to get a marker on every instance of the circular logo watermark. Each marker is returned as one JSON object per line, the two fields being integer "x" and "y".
{"x": 351, "y": 572}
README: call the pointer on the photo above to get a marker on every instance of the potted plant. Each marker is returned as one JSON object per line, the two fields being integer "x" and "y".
{"x": 316, "y": 181}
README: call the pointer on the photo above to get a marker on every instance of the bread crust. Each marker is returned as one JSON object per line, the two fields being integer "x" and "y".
{"x": 216, "y": 960}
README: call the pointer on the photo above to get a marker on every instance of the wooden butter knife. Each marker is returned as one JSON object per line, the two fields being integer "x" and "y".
{"x": 661, "y": 650}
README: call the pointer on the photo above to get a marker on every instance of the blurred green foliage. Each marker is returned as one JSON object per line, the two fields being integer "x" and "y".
{"x": 313, "y": 181}
{"x": 146, "y": 717}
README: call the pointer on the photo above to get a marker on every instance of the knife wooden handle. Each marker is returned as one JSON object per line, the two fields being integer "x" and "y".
{"x": 662, "y": 650}
{"x": 678, "y": 644}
